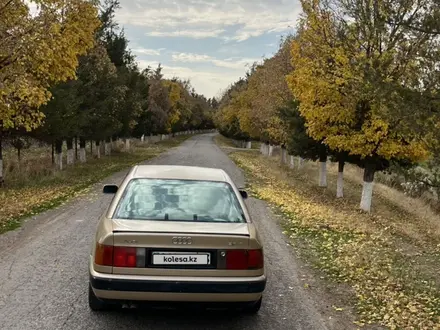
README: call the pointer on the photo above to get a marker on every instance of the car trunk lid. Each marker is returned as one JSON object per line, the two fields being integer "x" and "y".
{"x": 183, "y": 227}
{"x": 171, "y": 239}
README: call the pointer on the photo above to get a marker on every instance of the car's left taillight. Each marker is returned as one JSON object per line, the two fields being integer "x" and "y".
{"x": 119, "y": 256}
{"x": 104, "y": 255}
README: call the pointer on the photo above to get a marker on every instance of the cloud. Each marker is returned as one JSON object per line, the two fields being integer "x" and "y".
{"x": 230, "y": 63}
{"x": 145, "y": 51}
{"x": 208, "y": 83}
{"x": 191, "y": 58}
{"x": 232, "y": 20}
{"x": 196, "y": 34}
{"x": 210, "y": 42}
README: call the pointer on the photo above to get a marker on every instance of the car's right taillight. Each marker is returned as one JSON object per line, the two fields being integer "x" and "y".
{"x": 244, "y": 259}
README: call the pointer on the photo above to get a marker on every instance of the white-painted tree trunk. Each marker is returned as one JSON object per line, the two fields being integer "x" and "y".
{"x": 142, "y": 138}
{"x": 107, "y": 148}
{"x": 283, "y": 156}
{"x": 270, "y": 150}
{"x": 323, "y": 174}
{"x": 82, "y": 155}
{"x": 340, "y": 185}
{"x": 70, "y": 157}
{"x": 249, "y": 145}
{"x": 1, "y": 171}
{"x": 127, "y": 144}
{"x": 367, "y": 195}
{"x": 98, "y": 150}
{"x": 59, "y": 161}
{"x": 292, "y": 162}
{"x": 300, "y": 163}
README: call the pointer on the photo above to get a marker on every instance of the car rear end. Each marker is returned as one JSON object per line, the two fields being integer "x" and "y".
{"x": 134, "y": 261}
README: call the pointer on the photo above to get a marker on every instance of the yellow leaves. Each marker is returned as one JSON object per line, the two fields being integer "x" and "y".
{"x": 342, "y": 105}
{"x": 349, "y": 247}
{"x": 40, "y": 50}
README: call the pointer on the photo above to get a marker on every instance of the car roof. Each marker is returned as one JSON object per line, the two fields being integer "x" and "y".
{"x": 179, "y": 172}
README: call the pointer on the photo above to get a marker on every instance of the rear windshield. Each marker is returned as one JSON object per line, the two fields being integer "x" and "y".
{"x": 179, "y": 200}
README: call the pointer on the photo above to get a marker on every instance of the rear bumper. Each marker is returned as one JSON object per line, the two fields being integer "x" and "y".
{"x": 178, "y": 289}
{"x": 210, "y": 287}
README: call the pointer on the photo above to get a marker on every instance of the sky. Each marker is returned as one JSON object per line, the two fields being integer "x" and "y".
{"x": 210, "y": 42}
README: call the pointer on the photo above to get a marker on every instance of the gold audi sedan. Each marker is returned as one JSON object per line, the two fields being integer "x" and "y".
{"x": 176, "y": 234}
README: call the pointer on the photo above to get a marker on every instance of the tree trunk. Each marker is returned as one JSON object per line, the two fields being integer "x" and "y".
{"x": 91, "y": 147}
{"x": 292, "y": 162}
{"x": 283, "y": 155}
{"x": 367, "y": 189}
{"x": 107, "y": 147}
{"x": 98, "y": 149}
{"x": 127, "y": 144}
{"x": 340, "y": 182}
{"x": 76, "y": 147}
{"x": 53, "y": 154}
{"x": 270, "y": 150}
{"x": 323, "y": 171}
{"x": 82, "y": 150}
{"x": 70, "y": 152}
{"x": 300, "y": 163}
{"x": 2, "y": 180}
{"x": 59, "y": 154}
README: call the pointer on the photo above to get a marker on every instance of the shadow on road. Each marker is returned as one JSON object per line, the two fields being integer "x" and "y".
{"x": 143, "y": 318}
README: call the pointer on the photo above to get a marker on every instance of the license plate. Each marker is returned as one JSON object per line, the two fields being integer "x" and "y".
{"x": 181, "y": 258}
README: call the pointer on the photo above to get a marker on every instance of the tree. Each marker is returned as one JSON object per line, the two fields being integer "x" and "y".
{"x": 102, "y": 93}
{"x": 356, "y": 66}
{"x": 61, "y": 118}
{"x": 158, "y": 102}
{"x": 299, "y": 143}
{"x": 39, "y": 50}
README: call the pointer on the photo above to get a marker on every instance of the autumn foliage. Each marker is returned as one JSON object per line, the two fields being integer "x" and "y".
{"x": 364, "y": 76}
{"x": 68, "y": 76}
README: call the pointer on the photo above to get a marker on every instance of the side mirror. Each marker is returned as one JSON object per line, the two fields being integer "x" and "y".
{"x": 243, "y": 194}
{"x": 110, "y": 189}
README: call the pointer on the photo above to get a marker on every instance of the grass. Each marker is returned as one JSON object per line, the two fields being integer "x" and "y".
{"x": 41, "y": 187}
{"x": 389, "y": 259}
{"x": 228, "y": 143}
{"x": 223, "y": 141}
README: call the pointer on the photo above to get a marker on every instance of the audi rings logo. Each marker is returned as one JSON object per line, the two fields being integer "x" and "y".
{"x": 182, "y": 240}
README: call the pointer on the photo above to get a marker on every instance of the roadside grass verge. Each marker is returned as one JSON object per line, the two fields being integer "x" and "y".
{"x": 45, "y": 191}
{"x": 389, "y": 258}
{"x": 222, "y": 141}
{"x": 225, "y": 142}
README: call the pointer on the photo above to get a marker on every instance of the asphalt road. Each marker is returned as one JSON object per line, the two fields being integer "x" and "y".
{"x": 44, "y": 279}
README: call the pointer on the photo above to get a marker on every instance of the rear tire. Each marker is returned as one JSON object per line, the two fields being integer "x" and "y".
{"x": 94, "y": 303}
{"x": 254, "y": 309}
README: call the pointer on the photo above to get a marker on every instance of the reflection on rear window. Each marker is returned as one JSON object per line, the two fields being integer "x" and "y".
{"x": 179, "y": 200}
